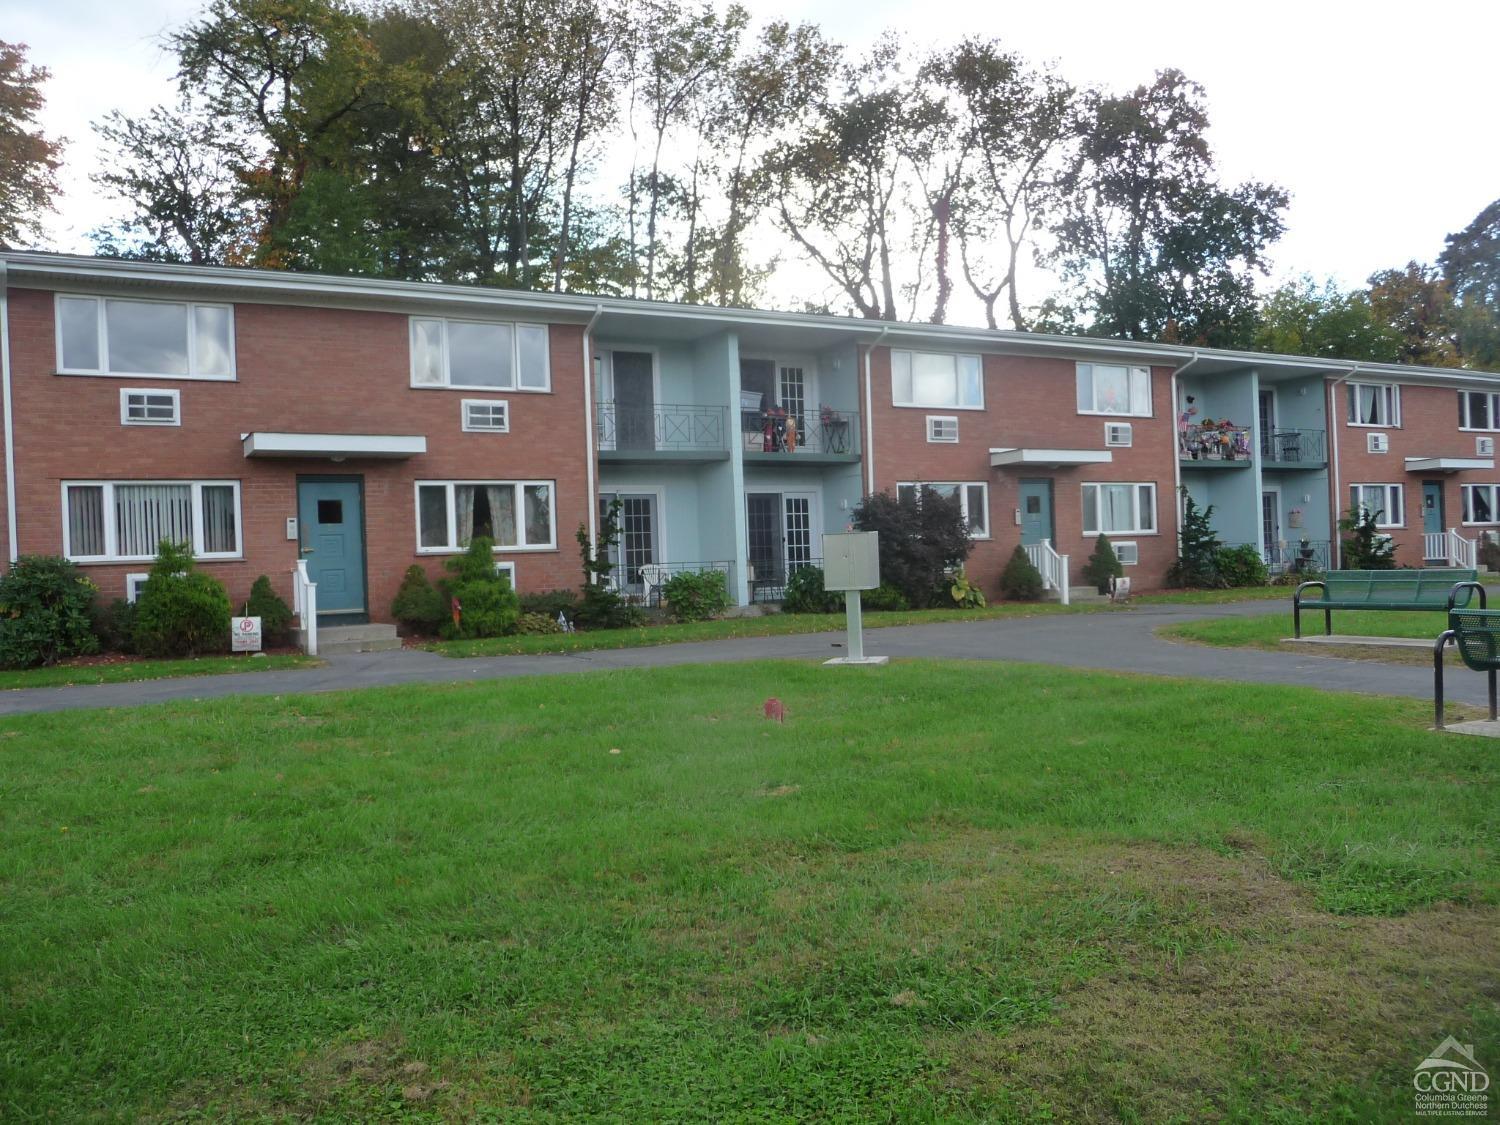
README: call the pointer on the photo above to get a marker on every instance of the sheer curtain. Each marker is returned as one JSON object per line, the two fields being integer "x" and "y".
{"x": 463, "y": 501}
{"x": 502, "y": 498}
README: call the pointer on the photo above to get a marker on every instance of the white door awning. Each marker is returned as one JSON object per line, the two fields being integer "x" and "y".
{"x": 335, "y": 447}
{"x": 1048, "y": 458}
{"x": 1447, "y": 464}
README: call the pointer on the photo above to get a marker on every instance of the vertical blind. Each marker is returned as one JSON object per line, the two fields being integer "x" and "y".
{"x": 145, "y": 514}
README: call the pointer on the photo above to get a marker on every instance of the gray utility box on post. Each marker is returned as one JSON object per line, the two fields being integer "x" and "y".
{"x": 851, "y": 563}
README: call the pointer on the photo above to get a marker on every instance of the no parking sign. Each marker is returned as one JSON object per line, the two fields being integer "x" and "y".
{"x": 244, "y": 634}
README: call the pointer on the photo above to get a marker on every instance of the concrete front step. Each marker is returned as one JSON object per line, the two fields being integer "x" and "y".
{"x": 339, "y": 640}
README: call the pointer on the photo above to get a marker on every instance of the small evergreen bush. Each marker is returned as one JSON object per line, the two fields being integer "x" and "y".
{"x": 114, "y": 625}
{"x": 601, "y": 606}
{"x": 1242, "y": 566}
{"x": 181, "y": 611}
{"x": 1021, "y": 581}
{"x": 1197, "y": 564}
{"x": 805, "y": 593}
{"x": 1365, "y": 546}
{"x": 487, "y": 606}
{"x": 419, "y": 606}
{"x": 696, "y": 596}
{"x": 537, "y": 625}
{"x": 45, "y": 613}
{"x": 1102, "y": 565}
{"x": 275, "y": 615}
{"x": 884, "y": 598}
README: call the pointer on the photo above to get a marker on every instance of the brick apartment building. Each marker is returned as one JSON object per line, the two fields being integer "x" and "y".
{"x": 356, "y": 427}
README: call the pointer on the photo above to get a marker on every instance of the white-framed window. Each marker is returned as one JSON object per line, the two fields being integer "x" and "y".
{"x": 942, "y": 428}
{"x": 480, "y": 355}
{"x": 519, "y": 515}
{"x": 140, "y": 407}
{"x": 1111, "y": 388}
{"x": 1113, "y": 509}
{"x": 1375, "y": 404}
{"x": 973, "y": 499}
{"x": 1478, "y": 410}
{"x": 150, "y": 339}
{"x": 1480, "y": 503}
{"x": 1386, "y": 501}
{"x": 508, "y": 568}
{"x": 1377, "y": 443}
{"x": 125, "y": 521}
{"x": 1129, "y": 554}
{"x": 133, "y": 584}
{"x": 486, "y": 415}
{"x": 937, "y": 379}
{"x": 1119, "y": 434}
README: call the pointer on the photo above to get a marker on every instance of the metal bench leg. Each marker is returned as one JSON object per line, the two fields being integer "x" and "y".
{"x": 1493, "y": 715}
{"x": 1437, "y": 679}
{"x": 1328, "y": 622}
{"x": 1297, "y": 617}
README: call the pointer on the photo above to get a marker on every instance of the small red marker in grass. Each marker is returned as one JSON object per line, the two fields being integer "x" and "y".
{"x": 774, "y": 710}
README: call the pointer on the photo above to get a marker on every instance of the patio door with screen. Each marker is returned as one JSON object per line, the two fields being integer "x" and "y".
{"x": 1270, "y": 525}
{"x": 798, "y": 510}
{"x": 763, "y": 525}
{"x": 1267, "y": 420}
{"x": 640, "y": 536}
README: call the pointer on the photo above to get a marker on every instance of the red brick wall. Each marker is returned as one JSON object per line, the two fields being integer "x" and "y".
{"x": 304, "y": 370}
{"x": 1429, "y": 428}
{"x": 1031, "y": 402}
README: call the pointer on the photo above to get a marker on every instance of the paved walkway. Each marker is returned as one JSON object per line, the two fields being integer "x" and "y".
{"x": 1120, "y": 641}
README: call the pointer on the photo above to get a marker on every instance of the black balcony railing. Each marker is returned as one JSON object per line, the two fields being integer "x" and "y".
{"x": 661, "y": 428}
{"x": 816, "y": 430}
{"x": 1293, "y": 447}
{"x": 1213, "y": 441}
{"x": 768, "y": 579}
{"x": 1292, "y": 556}
{"x": 643, "y": 584}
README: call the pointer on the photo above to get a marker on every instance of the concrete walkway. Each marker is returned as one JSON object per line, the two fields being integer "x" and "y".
{"x": 1119, "y": 641}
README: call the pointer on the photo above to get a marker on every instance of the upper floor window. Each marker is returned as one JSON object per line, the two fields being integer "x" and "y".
{"x": 488, "y": 355}
{"x": 1107, "y": 388}
{"x": 936, "y": 379}
{"x": 973, "y": 500}
{"x": 1478, "y": 410}
{"x": 1374, "y": 404}
{"x": 164, "y": 339}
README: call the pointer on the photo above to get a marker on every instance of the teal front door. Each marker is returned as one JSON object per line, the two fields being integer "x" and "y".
{"x": 1036, "y": 511}
{"x": 331, "y": 525}
{"x": 1432, "y": 506}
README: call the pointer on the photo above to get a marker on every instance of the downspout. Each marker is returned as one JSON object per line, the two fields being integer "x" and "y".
{"x": 588, "y": 422}
{"x": 10, "y": 429}
{"x": 1177, "y": 453}
{"x": 869, "y": 450}
{"x": 1335, "y": 544}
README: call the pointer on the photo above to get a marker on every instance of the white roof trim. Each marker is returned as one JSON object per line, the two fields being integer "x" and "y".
{"x": 337, "y": 446}
{"x": 1447, "y": 464}
{"x": 1049, "y": 458}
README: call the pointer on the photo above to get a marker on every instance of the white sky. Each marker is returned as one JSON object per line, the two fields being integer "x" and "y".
{"x": 1378, "y": 116}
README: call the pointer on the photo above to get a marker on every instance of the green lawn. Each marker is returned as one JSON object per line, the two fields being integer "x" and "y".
{"x": 61, "y": 675}
{"x": 1269, "y": 631}
{"x": 939, "y": 891}
{"x": 1219, "y": 597}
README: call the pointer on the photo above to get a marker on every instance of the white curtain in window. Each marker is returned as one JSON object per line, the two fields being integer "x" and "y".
{"x": 1117, "y": 511}
{"x": 86, "y": 521}
{"x": 538, "y": 514}
{"x": 502, "y": 498}
{"x": 463, "y": 499}
{"x": 145, "y": 514}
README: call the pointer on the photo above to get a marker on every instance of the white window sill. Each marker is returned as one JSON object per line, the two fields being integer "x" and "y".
{"x": 933, "y": 406}
{"x": 145, "y": 375}
{"x": 99, "y": 560}
{"x": 1126, "y": 531}
{"x": 472, "y": 388}
{"x": 1373, "y": 425}
{"x": 497, "y": 551}
{"x": 1113, "y": 414}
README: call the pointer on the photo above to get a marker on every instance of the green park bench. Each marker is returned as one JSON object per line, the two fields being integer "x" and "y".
{"x": 1428, "y": 588}
{"x": 1476, "y": 633}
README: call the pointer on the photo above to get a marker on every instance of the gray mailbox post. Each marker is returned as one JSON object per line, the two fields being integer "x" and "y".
{"x": 851, "y": 563}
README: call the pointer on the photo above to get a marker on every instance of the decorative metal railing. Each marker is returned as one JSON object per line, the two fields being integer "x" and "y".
{"x": 643, "y": 584}
{"x": 664, "y": 427}
{"x": 1293, "y": 447}
{"x": 817, "y": 430}
{"x": 1294, "y": 556}
{"x": 768, "y": 580}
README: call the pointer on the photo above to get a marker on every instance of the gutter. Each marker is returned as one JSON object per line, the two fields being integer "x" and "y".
{"x": 869, "y": 450}
{"x": 588, "y": 425}
{"x": 1335, "y": 507}
{"x": 10, "y": 428}
{"x": 1177, "y": 451}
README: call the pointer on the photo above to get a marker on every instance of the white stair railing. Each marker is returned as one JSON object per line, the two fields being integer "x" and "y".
{"x": 1053, "y": 567}
{"x": 1462, "y": 552}
{"x": 1435, "y": 545}
{"x": 305, "y": 605}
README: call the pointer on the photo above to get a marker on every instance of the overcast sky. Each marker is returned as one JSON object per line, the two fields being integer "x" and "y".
{"x": 1379, "y": 117}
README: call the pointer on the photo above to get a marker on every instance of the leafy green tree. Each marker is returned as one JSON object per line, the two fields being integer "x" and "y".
{"x": 1305, "y": 318}
{"x": 1156, "y": 247}
{"x": 1197, "y": 564}
{"x": 1471, "y": 263}
{"x": 1417, "y": 304}
{"x": 28, "y": 160}
{"x": 923, "y": 539}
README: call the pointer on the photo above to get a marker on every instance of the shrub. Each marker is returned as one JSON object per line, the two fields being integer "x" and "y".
{"x": 601, "y": 606}
{"x": 1021, "y": 581}
{"x": 44, "y": 612}
{"x": 275, "y": 615}
{"x": 964, "y": 593}
{"x": 1197, "y": 562}
{"x": 419, "y": 606}
{"x": 883, "y": 598}
{"x": 1489, "y": 552}
{"x": 181, "y": 611}
{"x": 805, "y": 593}
{"x": 551, "y": 603}
{"x": 696, "y": 596}
{"x": 1102, "y": 565}
{"x": 487, "y": 606}
{"x": 1364, "y": 545}
{"x": 537, "y": 625}
{"x": 922, "y": 540}
{"x": 114, "y": 624}
{"x": 1242, "y": 566}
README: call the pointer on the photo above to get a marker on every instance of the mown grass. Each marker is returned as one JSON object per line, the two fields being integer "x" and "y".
{"x": 1270, "y": 631}
{"x": 938, "y": 891}
{"x": 124, "y": 671}
{"x": 1218, "y": 597}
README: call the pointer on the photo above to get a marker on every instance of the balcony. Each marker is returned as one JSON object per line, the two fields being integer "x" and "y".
{"x": 661, "y": 432}
{"x": 820, "y": 435}
{"x": 1214, "y": 445}
{"x": 1293, "y": 450}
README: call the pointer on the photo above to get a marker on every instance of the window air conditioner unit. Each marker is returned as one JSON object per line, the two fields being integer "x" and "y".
{"x": 1129, "y": 554}
{"x": 1484, "y": 447}
{"x": 1378, "y": 443}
